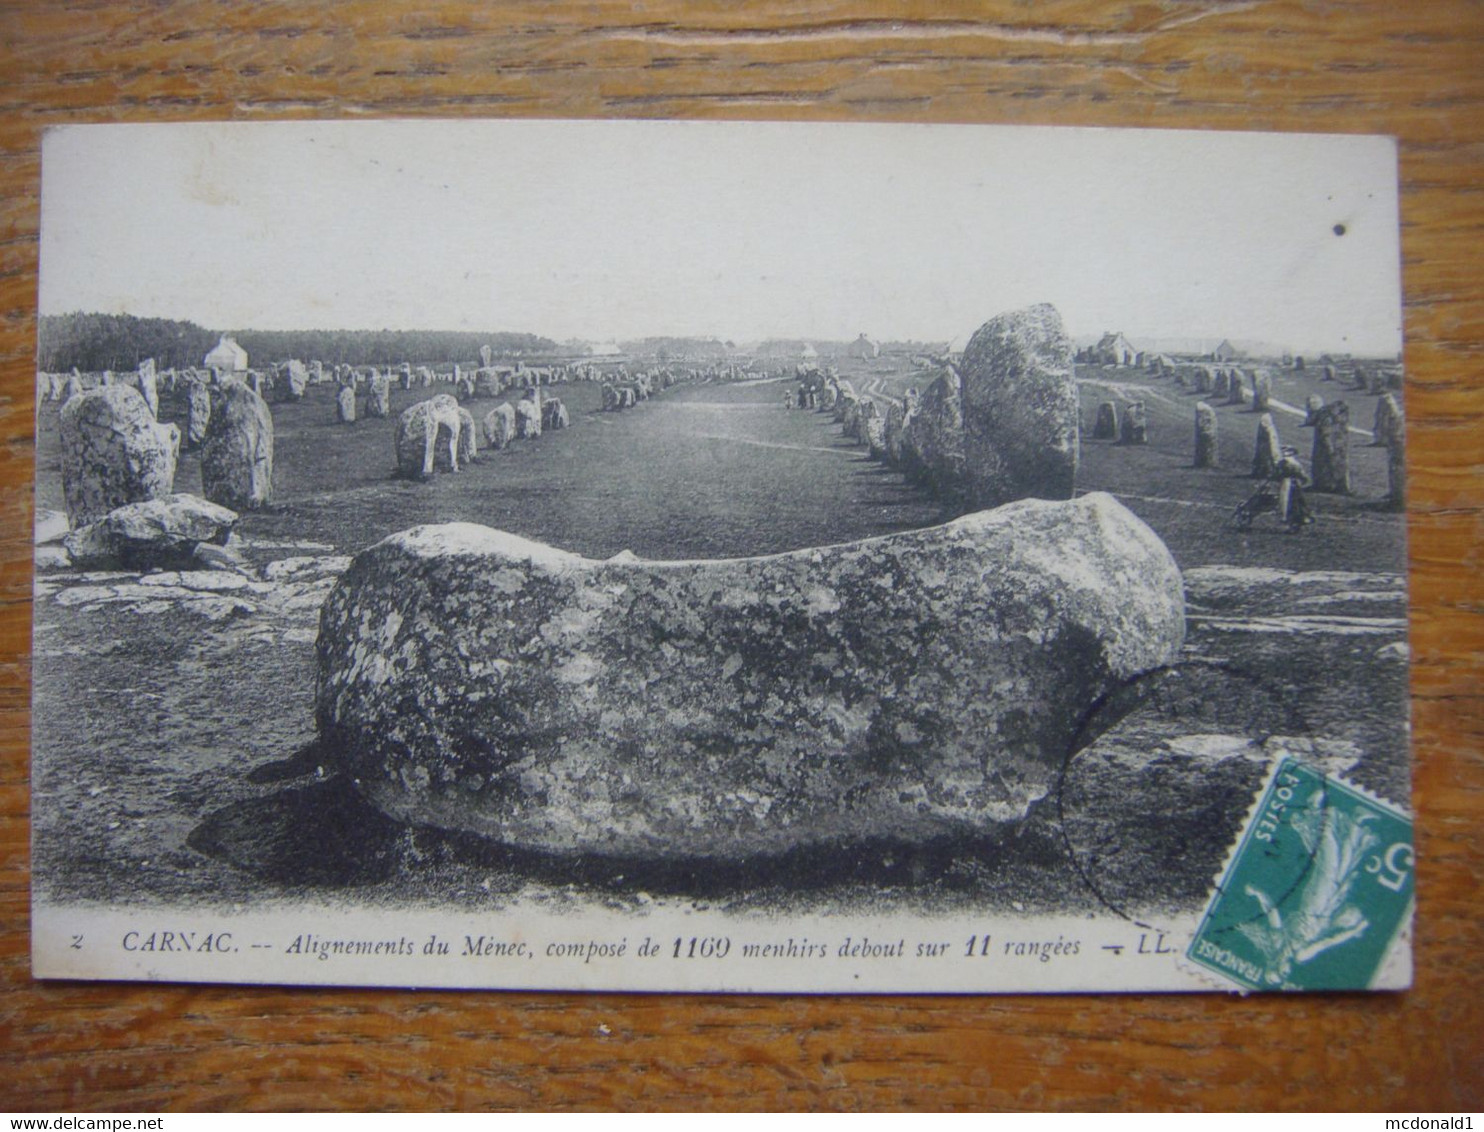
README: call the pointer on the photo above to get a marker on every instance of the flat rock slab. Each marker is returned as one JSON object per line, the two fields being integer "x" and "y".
{"x": 158, "y": 532}
{"x": 911, "y": 687}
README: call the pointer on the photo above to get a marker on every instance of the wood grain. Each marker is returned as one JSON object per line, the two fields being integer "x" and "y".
{"x": 1375, "y": 66}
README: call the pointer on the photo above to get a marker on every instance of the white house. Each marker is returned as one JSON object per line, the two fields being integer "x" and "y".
{"x": 863, "y": 348}
{"x": 1113, "y": 349}
{"x": 227, "y": 356}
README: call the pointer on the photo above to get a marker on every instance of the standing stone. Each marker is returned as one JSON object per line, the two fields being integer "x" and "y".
{"x": 1298, "y": 363}
{"x": 148, "y": 387}
{"x": 1375, "y": 383}
{"x": 527, "y": 418}
{"x": 295, "y": 379}
{"x": 1396, "y": 465}
{"x": 933, "y": 439}
{"x": 1221, "y": 387}
{"x": 113, "y": 452}
{"x": 1327, "y": 374}
{"x": 427, "y": 437}
{"x": 1205, "y": 435}
{"x": 1262, "y": 390}
{"x": 1203, "y": 379}
{"x": 1020, "y": 409}
{"x": 487, "y": 383}
{"x": 468, "y": 438}
{"x": 1388, "y": 420}
{"x": 198, "y": 413}
{"x": 681, "y": 710}
{"x": 554, "y": 415}
{"x": 1237, "y": 394}
{"x": 1134, "y": 424}
{"x": 1331, "y": 461}
{"x": 844, "y": 390}
{"x": 1361, "y": 381}
{"x": 255, "y": 382}
{"x": 486, "y": 355}
{"x": 379, "y": 396}
{"x": 406, "y": 377}
{"x": 345, "y": 404}
{"x": 1268, "y": 451}
{"x": 1311, "y": 406}
{"x": 898, "y": 418}
{"x": 499, "y": 425}
{"x": 237, "y": 454}
{"x": 1105, "y": 427}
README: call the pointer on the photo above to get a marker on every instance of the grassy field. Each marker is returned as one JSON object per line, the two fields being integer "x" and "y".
{"x": 175, "y": 757}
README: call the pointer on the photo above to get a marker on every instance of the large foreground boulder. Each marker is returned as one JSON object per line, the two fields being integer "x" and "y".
{"x": 237, "y": 453}
{"x": 1020, "y": 409}
{"x": 907, "y": 687}
{"x": 159, "y": 532}
{"x": 113, "y": 452}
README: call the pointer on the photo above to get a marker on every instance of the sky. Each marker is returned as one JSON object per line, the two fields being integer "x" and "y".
{"x": 743, "y": 231}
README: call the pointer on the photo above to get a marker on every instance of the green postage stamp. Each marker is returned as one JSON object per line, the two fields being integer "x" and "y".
{"x": 1319, "y": 887}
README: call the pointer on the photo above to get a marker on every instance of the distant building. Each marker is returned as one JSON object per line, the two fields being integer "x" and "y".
{"x": 1113, "y": 349}
{"x": 1225, "y": 352}
{"x": 227, "y": 356}
{"x": 863, "y": 348}
{"x": 606, "y": 350}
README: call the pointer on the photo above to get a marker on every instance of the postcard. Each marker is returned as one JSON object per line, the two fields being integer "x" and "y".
{"x": 738, "y": 557}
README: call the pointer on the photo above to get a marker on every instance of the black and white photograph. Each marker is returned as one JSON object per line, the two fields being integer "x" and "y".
{"x": 720, "y": 556}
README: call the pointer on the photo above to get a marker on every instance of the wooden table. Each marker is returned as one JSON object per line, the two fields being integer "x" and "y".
{"x": 1374, "y": 66}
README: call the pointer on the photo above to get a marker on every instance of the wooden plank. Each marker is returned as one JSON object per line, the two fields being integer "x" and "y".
{"x": 1345, "y": 66}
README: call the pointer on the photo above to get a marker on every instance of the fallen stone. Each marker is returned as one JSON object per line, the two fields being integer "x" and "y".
{"x": 474, "y": 680}
{"x": 50, "y": 526}
{"x": 160, "y": 532}
{"x": 52, "y": 558}
{"x": 305, "y": 564}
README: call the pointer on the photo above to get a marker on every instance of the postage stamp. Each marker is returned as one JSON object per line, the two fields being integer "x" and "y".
{"x": 1318, "y": 889}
